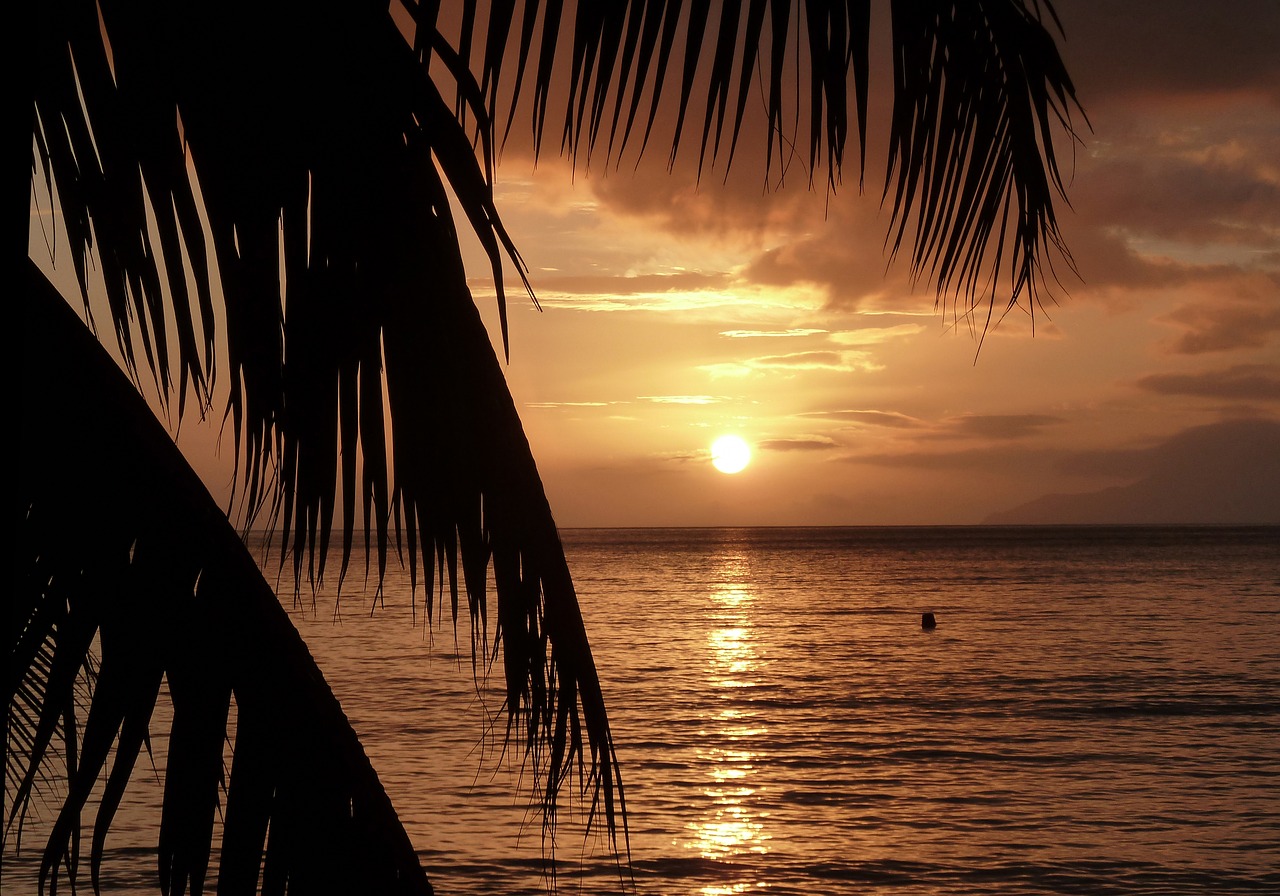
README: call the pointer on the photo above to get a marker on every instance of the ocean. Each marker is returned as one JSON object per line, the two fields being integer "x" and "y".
{"x": 1097, "y": 711}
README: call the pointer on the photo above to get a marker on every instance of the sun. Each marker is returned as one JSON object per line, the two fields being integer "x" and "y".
{"x": 730, "y": 454}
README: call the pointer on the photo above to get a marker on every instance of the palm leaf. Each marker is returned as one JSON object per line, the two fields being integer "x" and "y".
{"x": 315, "y": 146}
{"x": 120, "y": 539}
{"x": 322, "y": 158}
{"x": 979, "y": 92}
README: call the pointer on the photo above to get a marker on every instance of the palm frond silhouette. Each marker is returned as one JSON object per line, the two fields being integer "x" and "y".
{"x": 277, "y": 175}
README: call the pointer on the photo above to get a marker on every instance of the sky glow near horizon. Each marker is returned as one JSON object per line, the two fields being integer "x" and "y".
{"x": 674, "y": 312}
{"x": 864, "y": 404}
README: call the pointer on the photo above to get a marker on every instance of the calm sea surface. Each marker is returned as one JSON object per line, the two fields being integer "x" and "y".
{"x": 1098, "y": 711}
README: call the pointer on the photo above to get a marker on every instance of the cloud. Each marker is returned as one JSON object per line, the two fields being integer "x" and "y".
{"x": 719, "y": 296}
{"x": 1183, "y": 193}
{"x": 1173, "y": 188}
{"x": 807, "y": 443}
{"x": 836, "y": 361}
{"x": 1169, "y": 454}
{"x": 681, "y": 399}
{"x": 727, "y": 369}
{"x": 771, "y": 334}
{"x": 986, "y": 459}
{"x": 999, "y": 426}
{"x": 706, "y": 301}
{"x": 680, "y": 204}
{"x": 891, "y": 419}
{"x": 1104, "y": 257}
{"x": 1184, "y": 46}
{"x": 1248, "y": 382}
{"x": 1223, "y": 473}
{"x": 999, "y": 449}
{"x": 663, "y": 291}
{"x": 1222, "y": 327}
{"x": 875, "y": 335}
{"x": 844, "y": 254}
{"x": 637, "y": 284}
{"x": 820, "y": 360}
{"x": 569, "y": 404}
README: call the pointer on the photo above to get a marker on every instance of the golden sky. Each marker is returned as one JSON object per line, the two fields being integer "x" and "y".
{"x": 676, "y": 310}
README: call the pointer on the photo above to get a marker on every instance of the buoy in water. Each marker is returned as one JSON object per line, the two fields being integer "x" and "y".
{"x": 928, "y": 622}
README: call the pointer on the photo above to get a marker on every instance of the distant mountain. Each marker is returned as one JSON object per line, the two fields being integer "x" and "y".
{"x": 1223, "y": 473}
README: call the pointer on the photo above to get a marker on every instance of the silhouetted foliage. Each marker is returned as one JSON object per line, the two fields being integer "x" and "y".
{"x": 279, "y": 173}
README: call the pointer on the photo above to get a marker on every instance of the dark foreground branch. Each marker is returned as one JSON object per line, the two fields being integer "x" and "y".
{"x": 118, "y": 537}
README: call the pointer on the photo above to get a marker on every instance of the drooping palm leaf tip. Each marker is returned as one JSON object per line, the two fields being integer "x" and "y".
{"x": 314, "y": 143}
{"x": 979, "y": 90}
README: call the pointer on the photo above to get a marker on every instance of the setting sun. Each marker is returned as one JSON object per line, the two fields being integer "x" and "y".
{"x": 730, "y": 454}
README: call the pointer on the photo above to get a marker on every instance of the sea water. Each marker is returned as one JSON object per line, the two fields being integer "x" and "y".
{"x": 1097, "y": 711}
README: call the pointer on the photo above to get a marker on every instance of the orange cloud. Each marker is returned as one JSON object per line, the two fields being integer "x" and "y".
{"x": 891, "y": 419}
{"x": 1215, "y": 327}
{"x": 1247, "y": 382}
{"x": 806, "y": 443}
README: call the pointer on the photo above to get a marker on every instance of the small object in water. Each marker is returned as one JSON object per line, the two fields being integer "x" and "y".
{"x": 928, "y": 622}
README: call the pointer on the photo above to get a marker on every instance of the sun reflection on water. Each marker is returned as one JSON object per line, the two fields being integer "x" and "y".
{"x": 731, "y": 889}
{"x": 732, "y": 825}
